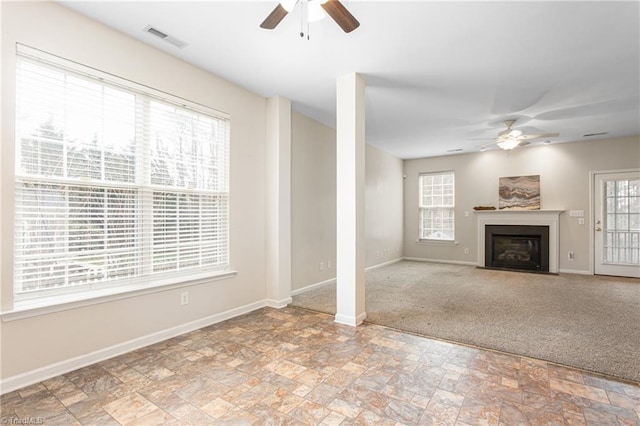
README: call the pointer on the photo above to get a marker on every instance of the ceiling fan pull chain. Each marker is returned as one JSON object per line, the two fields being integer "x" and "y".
{"x": 305, "y": 14}
{"x": 301, "y": 19}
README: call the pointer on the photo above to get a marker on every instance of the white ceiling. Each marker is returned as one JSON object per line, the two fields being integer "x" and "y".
{"x": 440, "y": 75}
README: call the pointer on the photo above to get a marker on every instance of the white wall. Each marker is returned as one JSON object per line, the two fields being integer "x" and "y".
{"x": 41, "y": 341}
{"x": 313, "y": 203}
{"x": 564, "y": 185}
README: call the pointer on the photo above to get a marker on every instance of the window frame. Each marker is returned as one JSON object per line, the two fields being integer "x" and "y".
{"x": 422, "y": 209}
{"x": 143, "y": 281}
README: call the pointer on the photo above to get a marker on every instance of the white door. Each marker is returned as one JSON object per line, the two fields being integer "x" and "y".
{"x": 617, "y": 224}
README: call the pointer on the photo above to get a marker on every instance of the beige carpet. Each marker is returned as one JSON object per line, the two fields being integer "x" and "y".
{"x": 587, "y": 322}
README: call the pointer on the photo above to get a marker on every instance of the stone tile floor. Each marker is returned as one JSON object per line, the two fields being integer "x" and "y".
{"x": 292, "y": 366}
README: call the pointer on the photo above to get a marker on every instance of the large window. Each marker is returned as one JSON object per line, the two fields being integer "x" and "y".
{"x": 437, "y": 203}
{"x": 114, "y": 184}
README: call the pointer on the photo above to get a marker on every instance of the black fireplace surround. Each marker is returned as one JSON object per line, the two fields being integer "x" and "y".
{"x": 517, "y": 247}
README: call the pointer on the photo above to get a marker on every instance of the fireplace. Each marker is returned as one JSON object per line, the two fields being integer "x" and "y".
{"x": 517, "y": 247}
{"x": 549, "y": 219}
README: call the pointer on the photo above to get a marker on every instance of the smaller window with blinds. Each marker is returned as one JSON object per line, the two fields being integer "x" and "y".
{"x": 437, "y": 205}
{"x": 115, "y": 184}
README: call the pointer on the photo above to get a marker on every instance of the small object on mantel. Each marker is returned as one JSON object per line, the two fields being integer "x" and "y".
{"x": 484, "y": 208}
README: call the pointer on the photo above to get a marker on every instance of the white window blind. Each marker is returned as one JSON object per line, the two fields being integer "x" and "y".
{"x": 113, "y": 184}
{"x": 437, "y": 206}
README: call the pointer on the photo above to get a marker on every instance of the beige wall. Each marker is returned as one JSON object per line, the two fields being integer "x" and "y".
{"x": 383, "y": 206}
{"x": 40, "y": 341}
{"x": 313, "y": 203}
{"x": 564, "y": 185}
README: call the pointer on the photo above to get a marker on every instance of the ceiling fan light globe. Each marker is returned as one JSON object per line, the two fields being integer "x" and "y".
{"x": 314, "y": 8}
{"x": 288, "y": 4}
{"x": 315, "y": 11}
{"x": 509, "y": 144}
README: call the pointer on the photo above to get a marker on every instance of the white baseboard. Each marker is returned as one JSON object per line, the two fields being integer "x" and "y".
{"x": 383, "y": 264}
{"x": 575, "y": 271}
{"x": 333, "y": 280}
{"x": 350, "y": 320}
{"x": 453, "y": 262}
{"x": 278, "y": 304}
{"x": 44, "y": 373}
{"x": 313, "y": 286}
{"x": 460, "y": 262}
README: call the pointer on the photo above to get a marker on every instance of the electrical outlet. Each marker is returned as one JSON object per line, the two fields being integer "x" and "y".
{"x": 321, "y": 266}
{"x": 571, "y": 256}
{"x": 184, "y": 298}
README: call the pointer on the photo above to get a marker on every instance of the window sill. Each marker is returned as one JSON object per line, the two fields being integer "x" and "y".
{"x": 48, "y": 305}
{"x": 437, "y": 242}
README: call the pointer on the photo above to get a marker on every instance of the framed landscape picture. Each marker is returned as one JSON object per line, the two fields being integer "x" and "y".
{"x": 519, "y": 193}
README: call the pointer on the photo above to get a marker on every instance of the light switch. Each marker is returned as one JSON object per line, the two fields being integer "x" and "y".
{"x": 581, "y": 221}
{"x": 576, "y": 213}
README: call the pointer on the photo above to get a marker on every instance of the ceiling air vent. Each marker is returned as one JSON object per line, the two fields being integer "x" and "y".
{"x": 595, "y": 134}
{"x": 165, "y": 37}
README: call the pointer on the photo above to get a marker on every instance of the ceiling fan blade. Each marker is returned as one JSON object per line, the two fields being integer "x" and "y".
{"x": 341, "y": 15}
{"x": 546, "y": 135}
{"x": 487, "y": 145}
{"x": 274, "y": 17}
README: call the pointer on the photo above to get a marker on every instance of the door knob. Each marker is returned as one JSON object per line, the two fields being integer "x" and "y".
{"x": 598, "y": 229}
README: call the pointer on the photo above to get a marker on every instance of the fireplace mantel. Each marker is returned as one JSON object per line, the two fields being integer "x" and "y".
{"x": 550, "y": 218}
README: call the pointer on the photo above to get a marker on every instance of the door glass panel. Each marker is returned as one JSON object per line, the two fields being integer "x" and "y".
{"x": 634, "y": 222}
{"x": 623, "y": 205}
{"x": 622, "y": 222}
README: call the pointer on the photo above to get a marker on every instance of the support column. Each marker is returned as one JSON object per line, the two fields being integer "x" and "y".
{"x": 278, "y": 202}
{"x": 350, "y": 155}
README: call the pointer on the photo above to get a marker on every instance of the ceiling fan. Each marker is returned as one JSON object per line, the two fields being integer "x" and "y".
{"x": 511, "y": 138}
{"x": 333, "y": 8}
